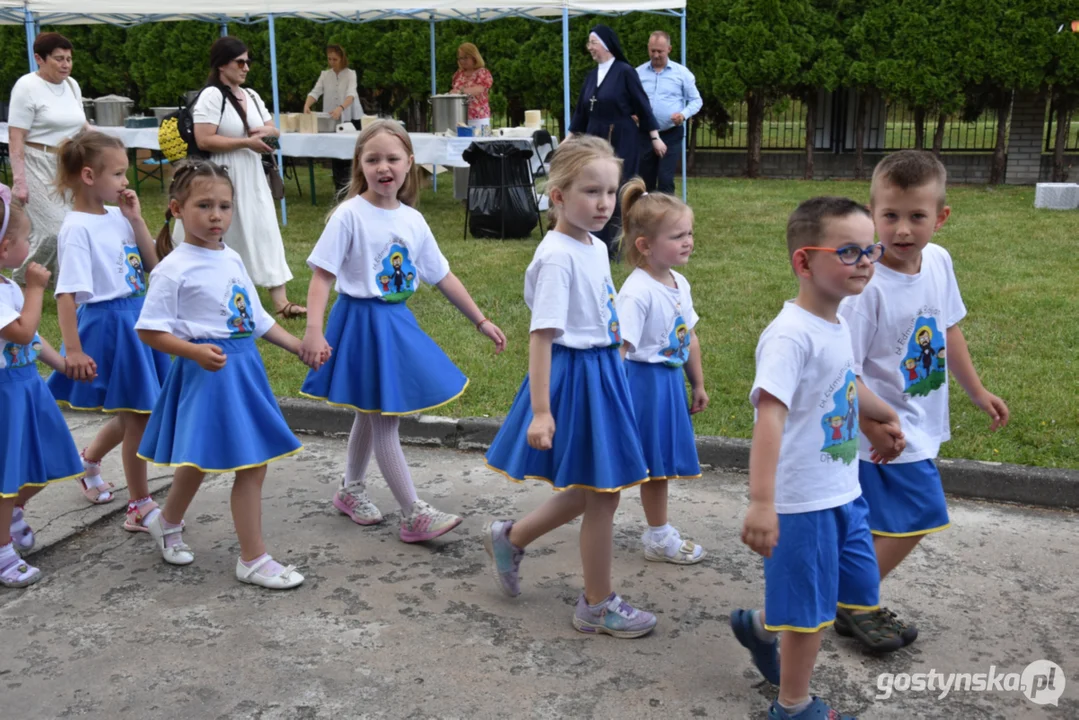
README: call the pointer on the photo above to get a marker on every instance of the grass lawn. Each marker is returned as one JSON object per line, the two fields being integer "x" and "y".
{"x": 1016, "y": 268}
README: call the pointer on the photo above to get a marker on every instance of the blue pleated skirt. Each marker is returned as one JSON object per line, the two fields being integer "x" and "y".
{"x": 662, "y": 414}
{"x": 36, "y": 447}
{"x": 218, "y": 421}
{"x": 382, "y": 361}
{"x": 129, "y": 372}
{"x": 596, "y": 446}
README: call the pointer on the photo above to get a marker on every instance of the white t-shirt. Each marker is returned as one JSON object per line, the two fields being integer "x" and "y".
{"x": 13, "y": 355}
{"x": 568, "y": 288}
{"x": 51, "y": 113}
{"x": 99, "y": 258}
{"x": 209, "y": 109}
{"x": 201, "y": 294}
{"x": 899, "y": 328}
{"x": 337, "y": 87}
{"x": 807, "y": 364}
{"x": 376, "y": 253}
{"x": 656, "y": 320}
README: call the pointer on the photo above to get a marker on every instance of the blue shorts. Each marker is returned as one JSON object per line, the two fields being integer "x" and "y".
{"x": 904, "y": 499}
{"x": 824, "y": 559}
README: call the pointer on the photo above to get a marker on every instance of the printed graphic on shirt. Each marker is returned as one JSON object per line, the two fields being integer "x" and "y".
{"x": 14, "y": 356}
{"x": 676, "y": 354}
{"x": 131, "y": 266}
{"x": 613, "y": 330}
{"x": 840, "y": 424}
{"x": 924, "y": 365}
{"x": 395, "y": 274}
{"x": 241, "y": 322}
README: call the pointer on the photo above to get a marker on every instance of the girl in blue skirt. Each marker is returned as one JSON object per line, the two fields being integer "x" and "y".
{"x": 216, "y": 412}
{"x": 661, "y": 348}
{"x": 572, "y": 422}
{"x": 375, "y": 251}
{"x": 106, "y": 253}
{"x": 36, "y": 447}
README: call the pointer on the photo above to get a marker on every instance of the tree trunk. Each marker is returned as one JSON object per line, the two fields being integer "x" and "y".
{"x": 811, "y": 131}
{"x": 1060, "y": 173}
{"x": 861, "y": 109}
{"x": 1000, "y": 157}
{"x": 938, "y": 136}
{"x": 919, "y": 128}
{"x": 756, "y": 128}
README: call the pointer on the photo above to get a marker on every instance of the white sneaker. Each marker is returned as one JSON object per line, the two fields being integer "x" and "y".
{"x": 672, "y": 549}
{"x": 357, "y": 506}
{"x": 286, "y": 579}
{"x": 178, "y": 554}
{"x": 425, "y": 523}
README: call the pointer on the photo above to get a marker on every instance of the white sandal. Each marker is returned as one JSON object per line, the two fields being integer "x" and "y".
{"x": 287, "y": 579}
{"x": 179, "y": 554}
{"x": 686, "y": 555}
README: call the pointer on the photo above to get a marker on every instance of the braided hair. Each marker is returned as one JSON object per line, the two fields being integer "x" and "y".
{"x": 187, "y": 172}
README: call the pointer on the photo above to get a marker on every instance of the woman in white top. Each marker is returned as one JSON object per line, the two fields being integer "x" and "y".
{"x": 341, "y": 101}
{"x": 234, "y": 126}
{"x": 45, "y": 110}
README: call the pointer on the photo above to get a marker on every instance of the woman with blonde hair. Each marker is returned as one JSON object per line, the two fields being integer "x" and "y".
{"x": 473, "y": 78}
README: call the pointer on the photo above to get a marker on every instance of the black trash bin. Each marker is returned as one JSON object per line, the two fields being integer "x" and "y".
{"x": 501, "y": 198}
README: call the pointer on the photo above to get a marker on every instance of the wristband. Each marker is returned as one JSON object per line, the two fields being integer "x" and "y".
{"x": 481, "y": 322}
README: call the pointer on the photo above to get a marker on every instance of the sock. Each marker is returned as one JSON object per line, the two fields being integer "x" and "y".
{"x": 760, "y": 631}
{"x": 93, "y": 477}
{"x": 658, "y": 533}
{"x": 358, "y": 454}
{"x": 137, "y": 504}
{"x": 271, "y": 568}
{"x": 793, "y": 710}
{"x": 18, "y": 523}
{"x": 8, "y": 556}
{"x": 175, "y": 538}
{"x": 391, "y": 460}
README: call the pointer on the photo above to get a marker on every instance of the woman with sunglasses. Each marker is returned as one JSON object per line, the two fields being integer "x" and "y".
{"x": 234, "y": 127}
{"x": 45, "y": 110}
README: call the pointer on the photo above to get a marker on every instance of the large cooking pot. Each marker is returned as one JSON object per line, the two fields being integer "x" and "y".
{"x": 163, "y": 112}
{"x": 448, "y": 111}
{"x": 112, "y": 110}
{"x": 89, "y": 110}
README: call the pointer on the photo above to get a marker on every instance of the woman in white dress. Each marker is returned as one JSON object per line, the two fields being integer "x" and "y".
{"x": 233, "y": 125}
{"x": 45, "y": 110}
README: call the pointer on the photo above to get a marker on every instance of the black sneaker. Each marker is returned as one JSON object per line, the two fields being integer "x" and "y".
{"x": 878, "y": 630}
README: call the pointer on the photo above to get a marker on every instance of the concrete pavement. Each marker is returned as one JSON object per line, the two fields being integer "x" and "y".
{"x": 387, "y": 630}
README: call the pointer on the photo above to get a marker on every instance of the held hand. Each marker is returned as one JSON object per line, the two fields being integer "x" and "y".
{"x": 541, "y": 432}
{"x": 80, "y": 366}
{"x": 760, "y": 531}
{"x": 312, "y": 348}
{"x": 699, "y": 402}
{"x": 20, "y": 192}
{"x": 492, "y": 331}
{"x": 995, "y": 408}
{"x": 336, "y": 114}
{"x": 659, "y": 147}
{"x": 37, "y": 276}
{"x": 210, "y": 357}
{"x": 678, "y": 118}
{"x": 885, "y": 439}
{"x": 130, "y": 206}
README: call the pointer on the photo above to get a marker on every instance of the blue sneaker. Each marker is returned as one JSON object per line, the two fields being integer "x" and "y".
{"x": 817, "y": 710}
{"x": 505, "y": 556}
{"x": 765, "y": 654}
{"x": 615, "y": 617}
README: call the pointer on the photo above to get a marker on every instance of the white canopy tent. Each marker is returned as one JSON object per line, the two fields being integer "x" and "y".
{"x": 34, "y": 13}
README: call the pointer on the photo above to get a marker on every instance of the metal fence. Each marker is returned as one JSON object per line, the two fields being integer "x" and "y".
{"x": 1072, "y": 141}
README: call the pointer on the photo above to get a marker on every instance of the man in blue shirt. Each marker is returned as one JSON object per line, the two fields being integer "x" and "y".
{"x": 672, "y": 90}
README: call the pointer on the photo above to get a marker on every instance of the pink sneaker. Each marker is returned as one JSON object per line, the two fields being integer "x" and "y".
{"x": 425, "y": 523}
{"x": 357, "y": 506}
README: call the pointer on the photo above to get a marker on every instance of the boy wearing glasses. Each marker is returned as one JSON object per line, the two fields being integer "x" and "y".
{"x": 908, "y": 317}
{"x": 806, "y": 514}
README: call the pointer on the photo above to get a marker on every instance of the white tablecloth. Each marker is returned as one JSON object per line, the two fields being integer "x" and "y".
{"x": 429, "y": 149}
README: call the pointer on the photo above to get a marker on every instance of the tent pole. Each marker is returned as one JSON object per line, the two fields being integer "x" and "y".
{"x": 30, "y": 35}
{"x": 685, "y": 135}
{"x": 565, "y": 69}
{"x": 434, "y": 91}
{"x": 224, "y": 29}
{"x": 277, "y": 111}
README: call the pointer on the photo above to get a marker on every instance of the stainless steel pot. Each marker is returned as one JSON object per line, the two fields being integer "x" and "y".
{"x": 89, "y": 110}
{"x": 112, "y": 110}
{"x": 449, "y": 111}
{"x": 163, "y": 112}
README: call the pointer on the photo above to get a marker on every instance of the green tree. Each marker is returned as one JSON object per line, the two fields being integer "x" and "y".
{"x": 823, "y": 60}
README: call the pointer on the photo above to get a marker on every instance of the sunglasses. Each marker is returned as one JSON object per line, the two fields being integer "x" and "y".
{"x": 242, "y": 62}
{"x": 853, "y": 254}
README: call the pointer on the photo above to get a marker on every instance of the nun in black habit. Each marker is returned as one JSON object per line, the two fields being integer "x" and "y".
{"x": 611, "y": 96}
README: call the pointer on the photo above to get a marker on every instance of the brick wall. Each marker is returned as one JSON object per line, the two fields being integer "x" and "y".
{"x": 1026, "y": 139}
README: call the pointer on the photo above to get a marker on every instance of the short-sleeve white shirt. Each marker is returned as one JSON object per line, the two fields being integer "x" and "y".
{"x": 50, "y": 112}
{"x": 13, "y": 355}
{"x": 99, "y": 258}
{"x": 656, "y": 320}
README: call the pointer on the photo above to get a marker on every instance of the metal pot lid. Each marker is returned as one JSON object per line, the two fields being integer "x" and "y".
{"x": 113, "y": 98}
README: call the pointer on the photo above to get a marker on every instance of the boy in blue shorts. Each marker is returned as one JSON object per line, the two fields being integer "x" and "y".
{"x": 806, "y": 513}
{"x": 906, "y": 337}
